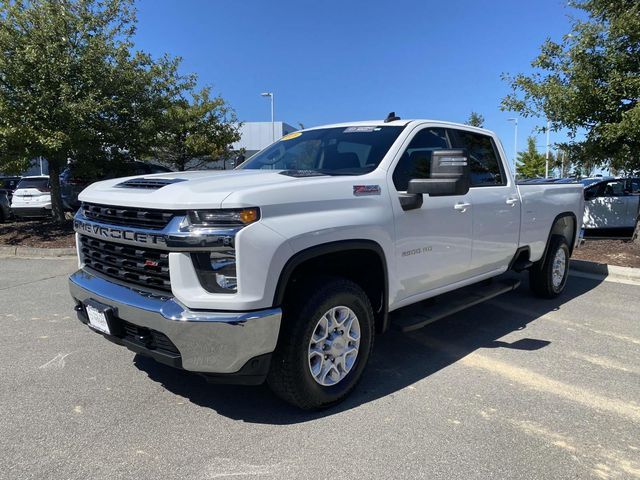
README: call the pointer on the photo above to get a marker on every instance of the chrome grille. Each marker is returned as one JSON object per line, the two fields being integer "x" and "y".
{"x": 141, "y": 266}
{"x": 129, "y": 216}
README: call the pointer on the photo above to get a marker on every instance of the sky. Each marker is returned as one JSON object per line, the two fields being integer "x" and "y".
{"x": 344, "y": 60}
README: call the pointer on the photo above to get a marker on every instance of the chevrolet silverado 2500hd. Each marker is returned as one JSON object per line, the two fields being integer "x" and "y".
{"x": 285, "y": 268}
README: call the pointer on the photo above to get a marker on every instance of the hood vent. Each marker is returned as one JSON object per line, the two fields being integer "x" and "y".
{"x": 149, "y": 183}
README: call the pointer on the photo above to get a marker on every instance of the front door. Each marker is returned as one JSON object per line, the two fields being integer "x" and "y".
{"x": 433, "y": 246}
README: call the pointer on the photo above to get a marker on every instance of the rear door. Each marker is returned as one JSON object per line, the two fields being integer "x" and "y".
{"x": 611, "y": 209}
{"x": 495, "y": 203}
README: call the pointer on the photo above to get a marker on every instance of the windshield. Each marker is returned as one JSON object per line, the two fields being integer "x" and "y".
{"x": 331, "y": 151}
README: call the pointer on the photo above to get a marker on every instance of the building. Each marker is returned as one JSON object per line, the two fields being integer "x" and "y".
{"x": 257, "y": 135}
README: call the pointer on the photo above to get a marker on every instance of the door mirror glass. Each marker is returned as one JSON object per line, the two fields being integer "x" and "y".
{"x": 449, "y": 175}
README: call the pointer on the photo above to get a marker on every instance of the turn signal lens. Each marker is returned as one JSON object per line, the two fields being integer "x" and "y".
{"x": 249, "y": 215}
{"x": 232, "y": 217}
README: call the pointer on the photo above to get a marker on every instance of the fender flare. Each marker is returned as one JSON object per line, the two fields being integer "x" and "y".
{"x": 573, "y": 238}
{"x": 333, "y": 247}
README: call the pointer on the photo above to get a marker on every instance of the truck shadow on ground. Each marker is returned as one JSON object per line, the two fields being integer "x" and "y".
{"x": 398, "y": 360}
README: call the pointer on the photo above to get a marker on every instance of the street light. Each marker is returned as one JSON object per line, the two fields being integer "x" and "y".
{"x": 515, "y": 146}
{"x": 273, "y": 125}
{"x": 546, "y": 165}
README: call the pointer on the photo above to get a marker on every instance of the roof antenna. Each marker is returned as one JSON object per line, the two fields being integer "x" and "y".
{"x": 391, "y": 117}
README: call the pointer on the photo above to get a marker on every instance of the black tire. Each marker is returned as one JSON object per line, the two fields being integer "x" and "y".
{"x": 541, "y": 272}
{"x": 290, "y": 377}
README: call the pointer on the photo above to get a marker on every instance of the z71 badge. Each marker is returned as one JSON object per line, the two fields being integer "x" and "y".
{"x": 361, "y": 190}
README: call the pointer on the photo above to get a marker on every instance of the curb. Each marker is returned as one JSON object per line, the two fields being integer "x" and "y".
{"x": 604, "y": 270}
{"x": 10, "y": 251}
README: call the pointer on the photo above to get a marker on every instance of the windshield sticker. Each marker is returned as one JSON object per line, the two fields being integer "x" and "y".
{"x": 291, "y": 136}
{"x": 360, "y": 129}
{"x": 361, "y": 190}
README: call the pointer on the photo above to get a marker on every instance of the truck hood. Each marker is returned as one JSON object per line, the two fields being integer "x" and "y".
{"x": 187, "y": 190}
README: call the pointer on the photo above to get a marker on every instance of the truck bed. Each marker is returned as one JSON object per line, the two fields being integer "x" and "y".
{"x": 542, "y": 203}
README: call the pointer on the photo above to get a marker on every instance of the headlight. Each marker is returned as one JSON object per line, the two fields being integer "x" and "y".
{"x": 229, "y": 217}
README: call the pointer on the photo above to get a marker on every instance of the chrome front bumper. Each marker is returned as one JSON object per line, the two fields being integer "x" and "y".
{"x": 208, "y": 341}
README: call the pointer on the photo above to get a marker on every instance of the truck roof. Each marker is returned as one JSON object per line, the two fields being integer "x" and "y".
{"x": 400, "y": 123}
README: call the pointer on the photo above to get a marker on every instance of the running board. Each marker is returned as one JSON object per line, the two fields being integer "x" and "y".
{"x": 418, "y": 315}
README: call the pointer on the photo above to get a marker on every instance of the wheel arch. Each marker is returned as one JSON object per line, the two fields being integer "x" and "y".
{"x": 566, "y": 225}
{"x": 362, "y": 261}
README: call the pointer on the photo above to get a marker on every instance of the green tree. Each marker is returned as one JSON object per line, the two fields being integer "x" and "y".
{"x": 72, "y": 88}
{"x": 201, "y": 129}
{"x": 590, "y": 83}
{"x": 475, "y": 120}
{"x": 531, "y": 163}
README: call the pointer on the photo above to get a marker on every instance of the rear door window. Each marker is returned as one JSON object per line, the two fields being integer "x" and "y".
{"x": 486, "y": 167}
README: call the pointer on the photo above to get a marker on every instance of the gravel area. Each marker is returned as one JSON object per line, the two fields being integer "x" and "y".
{"x": 611, "y": 252}
{"x": 39, "y": 233}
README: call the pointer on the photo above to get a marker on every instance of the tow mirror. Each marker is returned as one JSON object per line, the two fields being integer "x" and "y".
{"x": 449, "y": 175}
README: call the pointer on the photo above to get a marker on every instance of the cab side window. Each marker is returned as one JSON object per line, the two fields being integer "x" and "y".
{"x": 615, "y": 188}
{"x": 416, "y": 159}
{"x": 486, "y": 168}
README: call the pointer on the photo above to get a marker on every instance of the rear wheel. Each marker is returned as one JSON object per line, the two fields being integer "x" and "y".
{"x": 548, "y": 276}
{"x": 325, "y": 342}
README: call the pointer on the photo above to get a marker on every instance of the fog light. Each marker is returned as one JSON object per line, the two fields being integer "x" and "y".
{"x": 223, "y": 265}
{"x": 216, "y": 270}
{"x": 227, "y": 282}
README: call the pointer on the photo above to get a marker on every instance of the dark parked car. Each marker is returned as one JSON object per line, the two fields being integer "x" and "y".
{"x": 5, "y": 204}
{"x": 73, "y": 179}
{"x": 9, "y": 184}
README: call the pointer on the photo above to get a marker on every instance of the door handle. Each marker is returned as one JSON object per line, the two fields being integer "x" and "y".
{"x": 512, "y": 201}
{"x": 461, "y": 207}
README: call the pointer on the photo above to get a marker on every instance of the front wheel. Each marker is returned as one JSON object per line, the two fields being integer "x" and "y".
{"x": 325, "y": 342}
{"x": 548, "y": 276}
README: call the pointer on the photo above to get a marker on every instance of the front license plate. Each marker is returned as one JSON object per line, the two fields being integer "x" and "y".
{"x": 98, "y": 319}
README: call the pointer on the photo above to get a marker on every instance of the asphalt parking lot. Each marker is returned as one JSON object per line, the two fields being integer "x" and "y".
{"x": 514, "y": 388}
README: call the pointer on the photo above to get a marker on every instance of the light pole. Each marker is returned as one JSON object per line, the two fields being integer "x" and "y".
{"x": 546, "y": 165}
{"x": 273, "y": 125}
{"x": 515, "y": 146}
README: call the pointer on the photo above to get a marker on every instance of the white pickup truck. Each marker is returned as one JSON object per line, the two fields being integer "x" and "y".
{"x": 285, "y": 268}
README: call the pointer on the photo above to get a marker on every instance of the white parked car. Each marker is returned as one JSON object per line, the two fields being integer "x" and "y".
{"x": 612, "y": 208}
{"x": 285, "y": 268}
{"x": 32, "y": 197}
